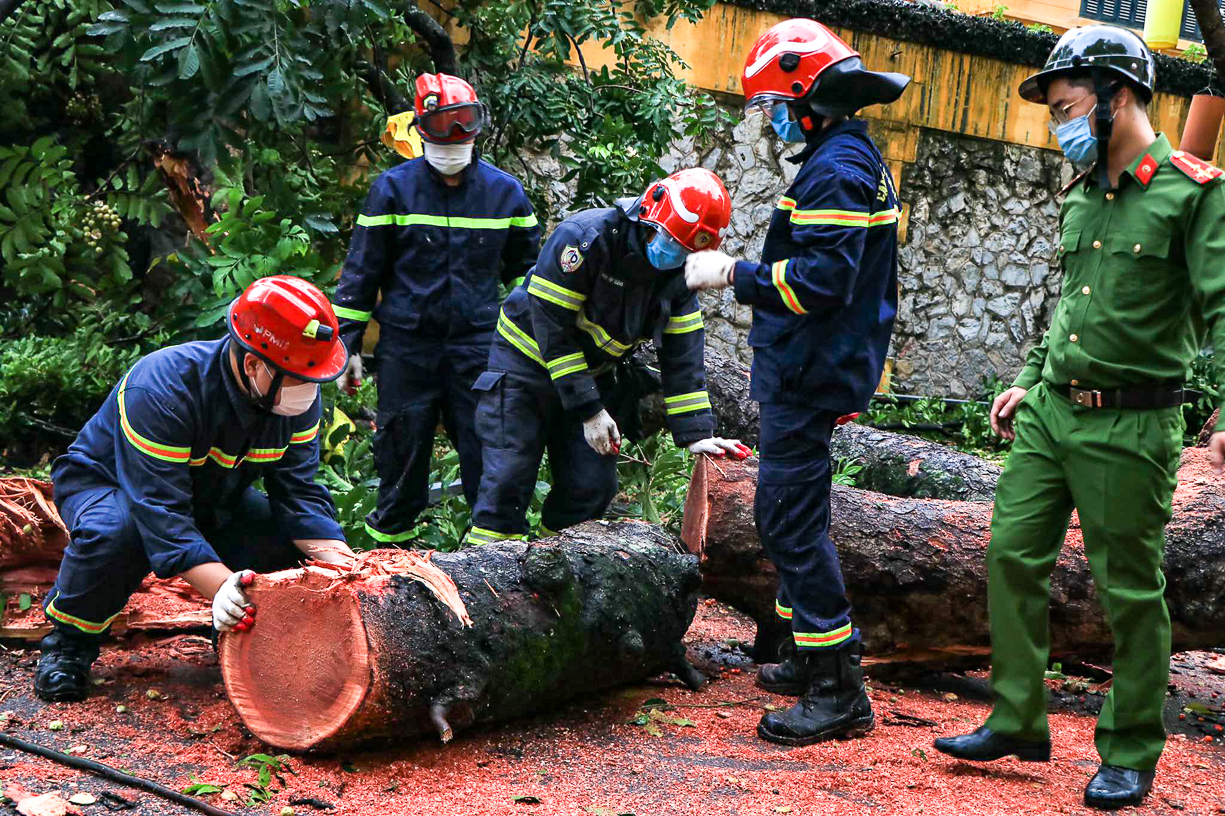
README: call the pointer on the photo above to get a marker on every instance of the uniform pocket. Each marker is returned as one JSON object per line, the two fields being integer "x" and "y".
{"x": 1140, "y": 267}
{"x": 490, "y": 408}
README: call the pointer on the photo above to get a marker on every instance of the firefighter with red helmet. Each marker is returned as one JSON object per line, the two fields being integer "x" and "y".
{"x": 160, "y": 479}
{"x": 435, "y": 237}
{"x": 606, "y": 281}
{"x": 824, "y": 298}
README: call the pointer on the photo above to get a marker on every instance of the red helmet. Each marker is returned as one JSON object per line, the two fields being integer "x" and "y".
{"x": 447, "y": 110}
{"x": 802, "y": 60}
{"x": 289, "y": 324}
{"x": 690, "y": 205}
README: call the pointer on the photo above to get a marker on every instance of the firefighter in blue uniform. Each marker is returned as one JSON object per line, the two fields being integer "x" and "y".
{"x": 160, "y": 478}
{"x": 436, "y": 235}
{"x": 606, "y": 281}
{"x": 824, "y": 299}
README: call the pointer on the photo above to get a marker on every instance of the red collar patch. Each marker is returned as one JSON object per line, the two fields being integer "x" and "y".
{"x": 1196, "y": 169}
{"x": 1146, "y": 169}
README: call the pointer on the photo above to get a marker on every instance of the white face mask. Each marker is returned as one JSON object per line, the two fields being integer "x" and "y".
{"x": 295, "y": 399}
{"x": 448, "y": 159}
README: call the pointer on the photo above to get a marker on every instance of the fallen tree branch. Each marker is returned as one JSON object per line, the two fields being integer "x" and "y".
{"x": 442, "y": 49}
{"x": 1212, "y": 28}
{"x": 106, "y": 771}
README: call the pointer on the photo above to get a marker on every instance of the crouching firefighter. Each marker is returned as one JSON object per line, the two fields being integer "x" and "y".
{"x": 824, "y": 298}
{"x": 160, "y": 478}
{"x": 606, "y": 281}
{"x": 436, "y": 235}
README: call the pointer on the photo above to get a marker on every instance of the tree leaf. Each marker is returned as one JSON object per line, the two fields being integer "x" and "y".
{"x": 157, "y": 50}
{"x": 189, "y": 62}
{"x": 252, "y": 67}
{"x": 24, "y": 601}
{"x": 173, "y": 22}
{"x": 178, "y": 8}
{"x": 276, "y": 82}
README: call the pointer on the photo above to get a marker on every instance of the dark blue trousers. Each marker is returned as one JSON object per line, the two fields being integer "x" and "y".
{"x": 105, "y": 561}
{"x": 792, "y": 514}
{"x": 416, "y": 390}
{"x": 519, "y": 416}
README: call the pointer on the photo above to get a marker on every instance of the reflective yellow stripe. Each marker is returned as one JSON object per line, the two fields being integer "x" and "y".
{"x": 684, "y": 323}
{"x": 784, "y": 612}
{"x": 884, "y": 217}
{"x": 458, "y": 222}
{"x": 547, "y": 290}
{"x": 516, "y": 283}
{"x": 785, "y": 203}
{"x": 351, "y": 314}
{"x": 166, "y": 453}
{"x": 305, "y": 436}
{"x": 265, "y": 454}
{"x": 830, "y": 218}
{"x": 84, "y": 625}
{"x": 545, "y": 532}
{"x": 684, "y": 403}
{"x": 822, "y": 639}
{"x": 479, "y": 535}
{"x": 602, "y": 338}
{"x": 566, "y": 365}
{"x": 779, "y": 272}
{"x": 515, "y": 336}
{"x": 387, "y": 538}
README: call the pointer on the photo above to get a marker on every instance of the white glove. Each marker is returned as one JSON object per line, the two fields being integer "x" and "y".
{"x": 351, "y": 378}
{"x": 602, "y": 434}
{"x": 711, "y": 269}
{"x": 717, "y": 446}
{"x": 230, "y": 608}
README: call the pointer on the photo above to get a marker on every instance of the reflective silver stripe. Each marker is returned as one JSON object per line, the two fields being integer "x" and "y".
{"x": 684, "y": 323}
{"x": 547, "y": 290}
{"x": 601, "y": 337}
{"x": 685, "y": 403}
{"x": 569, "y": 364}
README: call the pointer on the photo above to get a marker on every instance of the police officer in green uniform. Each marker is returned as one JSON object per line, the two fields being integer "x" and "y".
{"x": 1095, "y": 413}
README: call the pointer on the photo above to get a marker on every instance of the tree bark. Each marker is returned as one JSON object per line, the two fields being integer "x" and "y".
{"x": 1208, "y": 15}
{"x": 907, "y": 466}
{"x": 916, "y": 573}
{"x": 383, "y": 657}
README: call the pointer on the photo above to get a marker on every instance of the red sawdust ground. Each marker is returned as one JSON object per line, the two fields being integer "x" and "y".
{"x": 584, "y": 758}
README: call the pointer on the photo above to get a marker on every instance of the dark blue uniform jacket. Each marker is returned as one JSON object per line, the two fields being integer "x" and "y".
{"x": 436, "y": 253}
{"x": 182, "y": 443}
{"x": 825, "y": 295}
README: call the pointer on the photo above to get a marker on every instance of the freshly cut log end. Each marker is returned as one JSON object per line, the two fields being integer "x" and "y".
{"x": 299, "y": 675}
{"x": 339, "y": 658}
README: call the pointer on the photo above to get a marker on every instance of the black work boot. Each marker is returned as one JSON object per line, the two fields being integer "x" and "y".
{"x": 784, "y": 677}
{"x": 63, "y": 668}
{"x": 834, "y": 706}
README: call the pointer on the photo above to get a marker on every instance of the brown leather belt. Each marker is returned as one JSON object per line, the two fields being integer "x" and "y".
{"x": 1166, "y": 396}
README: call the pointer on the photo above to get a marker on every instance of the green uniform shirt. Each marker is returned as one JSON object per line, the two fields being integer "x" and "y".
{"x": 1143, "y": 278}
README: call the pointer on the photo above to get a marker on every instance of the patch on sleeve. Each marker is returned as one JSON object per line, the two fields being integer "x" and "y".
{"x": 570, "y": 259}
{"x": 1196, "y": 169}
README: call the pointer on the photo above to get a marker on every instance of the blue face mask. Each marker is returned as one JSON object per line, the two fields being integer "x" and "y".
{"x": 665, "y": 252}
{"x": 1077, "y": 142}
{"x": 786, "y": 129}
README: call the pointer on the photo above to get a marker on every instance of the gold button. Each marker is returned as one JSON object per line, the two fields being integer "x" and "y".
{"x": 1085, "y": 291}
{"x": 1073, "y": 338}
{"x": 1110, "y": 196}
{"x": 1075, "y": 382}
{"x": 1136, "y": 248}
{"x": 1097, "y": 244}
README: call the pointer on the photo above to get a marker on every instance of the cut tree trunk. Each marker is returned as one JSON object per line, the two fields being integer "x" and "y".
{"x": 908, "y": 466}
{"x": 340, "y": 658}
{"x": 727, "y": 383}
{"x": 916, "y": 573}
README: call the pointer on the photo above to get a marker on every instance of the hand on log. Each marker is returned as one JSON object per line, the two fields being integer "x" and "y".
{"x": 916, "y": 571}
{"x": 485, "y": 634}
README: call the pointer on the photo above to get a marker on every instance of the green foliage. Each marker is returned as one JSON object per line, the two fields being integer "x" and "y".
{"x": 1194, "y": 53}
{"x": 267, "y": 768}
{"x": 198, "y": 788}
{"x": 846, "y": 471}
{"x": 1000, "y": 12}
{"x": 59, "y": 381}
{"x": 1204, "y": 380}
{"x": 1040, "y": 28}
{"x": 965, "y": 426}
{"x": 654, "y": 479}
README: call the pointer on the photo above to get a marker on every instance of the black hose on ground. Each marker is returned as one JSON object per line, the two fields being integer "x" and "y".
{"x": 113, "y": 774}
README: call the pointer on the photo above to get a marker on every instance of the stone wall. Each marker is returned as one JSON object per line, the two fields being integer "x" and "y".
{"x": 976, "y": 269}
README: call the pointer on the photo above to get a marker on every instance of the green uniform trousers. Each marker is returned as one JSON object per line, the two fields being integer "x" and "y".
{"x": 1118, "y": 469}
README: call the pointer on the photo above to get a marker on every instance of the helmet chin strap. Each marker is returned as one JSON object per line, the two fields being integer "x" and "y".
{"x": 264, "y": 402}
{"x": 1104, "y": 91}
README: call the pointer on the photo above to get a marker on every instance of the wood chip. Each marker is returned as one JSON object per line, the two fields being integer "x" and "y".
{"x": 82, "y": 799}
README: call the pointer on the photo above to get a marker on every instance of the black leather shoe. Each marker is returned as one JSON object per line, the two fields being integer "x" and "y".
{"x": 985, "y": 745}
{"x": 63, "y": 667}
{"x": 1114, "y": 787}
{"x": 785, "y": 677}
{"x": 835, "y": 704}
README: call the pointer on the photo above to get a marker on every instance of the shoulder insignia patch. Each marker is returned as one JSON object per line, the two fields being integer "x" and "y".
{"x": 570, "y": 259}
{"x": 1196, "y": 169}
{"x": 1074, "y": 182}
